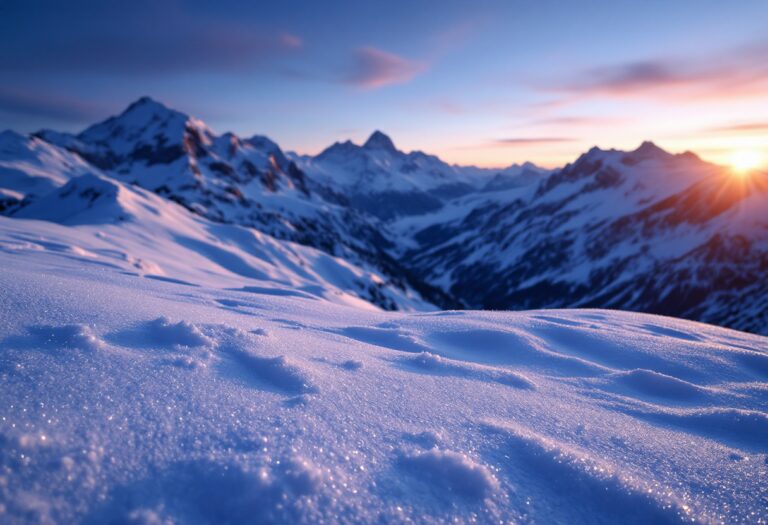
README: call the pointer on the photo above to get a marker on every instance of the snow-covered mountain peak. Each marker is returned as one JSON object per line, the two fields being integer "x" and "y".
{"x": 148, "y": 123}
{"x": 647, "y": 155}
{"x": 380, "y": 141}
{"x": 88, "y": 199}
{"x": 268, "y": 146}
{"x": 10, "y": 137}
{"x": 226, "y": 178}
{"x": 645, "y": 152}
{"x": 649, "y": 148}
{"x": 12, "y": 143}
{"x": 139, "y": 114}
{"x": 648, "y": 172}
{"x": 594, "y": 151}
{"x": 383, "y": 181}
{"x": 31, "y": 167}
{"x": 338, "y": 150}
{"x": 148, "y": 104}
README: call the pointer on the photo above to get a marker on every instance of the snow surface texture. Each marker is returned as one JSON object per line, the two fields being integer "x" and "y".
{"x": 139, "y": 384}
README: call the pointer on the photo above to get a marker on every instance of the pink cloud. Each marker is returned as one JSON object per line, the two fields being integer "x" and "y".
{"x": 744, "y": 127}
{"x": 290, "y": 41}
{"x": 374, "y": 68}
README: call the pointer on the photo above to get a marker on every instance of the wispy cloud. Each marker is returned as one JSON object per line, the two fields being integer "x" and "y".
{"x": 291, "y": 41}
{"x": 577, "y": 121}
{"x": 373, "y": 68}
{"x": 514, "y": 142}
{"x": 633, "y": 77}
{"x": 738, "y": 72}
{"x": 744, "y": 127}
{"x": 49, "y": 106}
{"x": 136, "y": 37}
{"x": 528, "y": 141}
{"x": 366, "y": 68}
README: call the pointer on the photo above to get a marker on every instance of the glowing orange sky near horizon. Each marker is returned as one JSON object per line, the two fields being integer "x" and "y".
{"x": 723, "y": 155}
{"x": 714, "y": 129}
{"x": 727, "y": 150}
{"x": 717, "y": 147}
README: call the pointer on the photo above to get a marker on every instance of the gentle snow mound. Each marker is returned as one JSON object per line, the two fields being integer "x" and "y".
{"x": 164, "y": 331}
{"x": 73, "y": 336}
{"x": 451, "y": 471}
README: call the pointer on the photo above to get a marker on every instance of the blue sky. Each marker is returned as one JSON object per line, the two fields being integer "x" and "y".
{"x": 479, "y": 82}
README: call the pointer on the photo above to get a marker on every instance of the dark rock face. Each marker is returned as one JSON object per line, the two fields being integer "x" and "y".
{"x": 8, "y": 203}
{"x": 154, "y": 155}
{"x": 298, "y": 178}
{"x": 391, "y": 204}
{"x": 379, "y": 140}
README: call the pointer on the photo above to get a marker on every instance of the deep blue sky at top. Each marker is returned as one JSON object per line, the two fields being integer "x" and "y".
{"x": 484, "y": 82}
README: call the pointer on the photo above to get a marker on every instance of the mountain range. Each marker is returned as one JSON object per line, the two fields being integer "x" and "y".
{"x": 642, "y": 230}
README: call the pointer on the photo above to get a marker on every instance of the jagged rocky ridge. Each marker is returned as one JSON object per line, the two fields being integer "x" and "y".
{"x": 227, "y": 179}
{"x": 644, "y": 230}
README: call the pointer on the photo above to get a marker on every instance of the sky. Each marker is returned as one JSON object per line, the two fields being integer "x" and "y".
{"x": 488, "y": 83}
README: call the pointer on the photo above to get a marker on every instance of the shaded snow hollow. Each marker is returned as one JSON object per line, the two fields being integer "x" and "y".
{"x": 127, "y": 396}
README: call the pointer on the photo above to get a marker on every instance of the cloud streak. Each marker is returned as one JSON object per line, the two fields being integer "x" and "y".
{"x": 738, "y": 72}
{"x": 528, "y": 141}
{"x": 745, "y": 127}
{"x": 515, "y": 142}
{"x": 578, "y": 121}
{"x": 49, "y": 106}
{"x": 632, "y": 77}
{"x": 131, "y": 37}
{"x": 373, "y": 68}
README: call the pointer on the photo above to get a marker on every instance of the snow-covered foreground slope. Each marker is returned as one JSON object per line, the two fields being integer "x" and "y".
{"x": 102, "y": 222}
{"x": 126, "y": 399}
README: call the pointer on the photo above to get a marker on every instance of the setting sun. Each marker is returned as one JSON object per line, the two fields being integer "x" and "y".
{"x": 746, "y": 160}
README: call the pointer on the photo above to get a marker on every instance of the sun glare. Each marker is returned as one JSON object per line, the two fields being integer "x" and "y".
{"x": 744, "y": 161}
